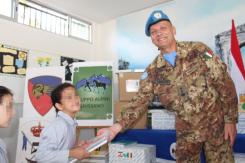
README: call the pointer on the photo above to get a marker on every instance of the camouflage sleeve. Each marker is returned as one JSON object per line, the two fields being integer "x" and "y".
{"x": 138, "y": 105}
{"x": 218, "y": 76}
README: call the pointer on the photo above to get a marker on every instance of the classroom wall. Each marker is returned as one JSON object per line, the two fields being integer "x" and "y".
{"x": 25, "y": 37}
{"x": 21, "y": 36}
{"x": 107, "y": 49}
{"x": 29, "y": 38}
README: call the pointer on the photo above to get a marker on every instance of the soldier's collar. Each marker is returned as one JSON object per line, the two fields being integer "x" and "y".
{"x": 160, "y": 61}
{"x": 181, "y": 50}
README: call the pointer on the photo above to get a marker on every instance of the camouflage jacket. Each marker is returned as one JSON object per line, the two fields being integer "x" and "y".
{"x": 198, "y": 89}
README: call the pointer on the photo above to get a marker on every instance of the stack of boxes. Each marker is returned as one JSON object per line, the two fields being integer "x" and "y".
{"x": 128, "y": 87}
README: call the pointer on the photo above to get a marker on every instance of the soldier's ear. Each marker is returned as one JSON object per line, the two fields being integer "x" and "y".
{"x": 174, "y": 30}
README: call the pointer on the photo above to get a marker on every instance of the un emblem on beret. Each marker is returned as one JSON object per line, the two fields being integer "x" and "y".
{"x": 157, "y": 15}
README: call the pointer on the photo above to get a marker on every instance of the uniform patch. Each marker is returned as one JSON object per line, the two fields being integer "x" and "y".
{"x": 163, "y": 82}
{"x": 144, "y": 76}
{"x": 192, "y": 69}
{"x": 208, "y": 54}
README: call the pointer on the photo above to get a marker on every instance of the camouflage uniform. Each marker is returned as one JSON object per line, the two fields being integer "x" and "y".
{"x": 202, "y": 95}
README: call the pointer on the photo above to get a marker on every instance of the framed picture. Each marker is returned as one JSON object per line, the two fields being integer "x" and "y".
{"x": 42, "y": 59}
{"x": 28, "y": 138}
{"x": 12, "y": 60}
{"x": 67, "y": 62}
{"x": 38, "y": 87}
{"x": 93, "y": 81}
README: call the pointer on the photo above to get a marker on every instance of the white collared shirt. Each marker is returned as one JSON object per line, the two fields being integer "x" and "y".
{"x": 57, "y": 139}
{"x": 3, "y": 152}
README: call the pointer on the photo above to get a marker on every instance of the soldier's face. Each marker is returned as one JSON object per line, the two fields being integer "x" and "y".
{"x": 162, "y": 34}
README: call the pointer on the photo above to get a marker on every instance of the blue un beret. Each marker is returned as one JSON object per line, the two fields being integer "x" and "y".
{"x": 155, "y": 17}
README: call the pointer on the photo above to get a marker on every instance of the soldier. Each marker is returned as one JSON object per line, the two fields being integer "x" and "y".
{"x": 192, "y": 82}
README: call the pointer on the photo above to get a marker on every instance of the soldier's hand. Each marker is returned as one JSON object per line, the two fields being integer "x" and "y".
{"x": 230, "y": 132}
{"x": 112, "y": 131}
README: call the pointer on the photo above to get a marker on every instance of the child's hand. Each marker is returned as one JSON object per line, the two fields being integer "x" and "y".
{"x": 113, "y": 131}
{"x": 79, "y": 152}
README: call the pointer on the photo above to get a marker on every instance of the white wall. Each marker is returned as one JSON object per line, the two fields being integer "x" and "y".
{"x": 107, "y": 50}
{"x": 26, "y": 37}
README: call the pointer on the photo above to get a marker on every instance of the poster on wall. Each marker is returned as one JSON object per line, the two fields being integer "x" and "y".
{"x": 42, "y": 59}
{"x": 12, "y": 60}
{"x": 38, "y": 86}
{"x": 67, "y": 62}
{"x": 93, "y": 81}
{"x": 28, "y": 138}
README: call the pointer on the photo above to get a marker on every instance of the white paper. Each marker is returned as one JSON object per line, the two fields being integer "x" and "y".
{"x": 132, "y": 85}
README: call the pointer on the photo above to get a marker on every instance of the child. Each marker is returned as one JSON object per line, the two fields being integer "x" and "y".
{"x": 58, "y": 140}
{"x": 6, "y": 114}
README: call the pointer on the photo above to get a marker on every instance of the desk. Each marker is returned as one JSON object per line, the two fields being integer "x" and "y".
{"x": 163, "y": 139}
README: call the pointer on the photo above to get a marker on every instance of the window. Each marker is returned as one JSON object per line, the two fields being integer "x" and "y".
{"x": 80, "y": 29}
{"x": 7, "y": 8}
{"x": 37, "y": 16}
{"x": 43, "y": 18}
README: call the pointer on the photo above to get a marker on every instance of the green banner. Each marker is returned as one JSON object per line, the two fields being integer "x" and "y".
{"x": 94, "y": 86}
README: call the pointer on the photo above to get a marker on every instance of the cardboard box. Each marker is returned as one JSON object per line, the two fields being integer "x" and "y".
{"x": 140, "y": 124}
{"x": 131, "y": 153}
{"x": 128, "y": 84}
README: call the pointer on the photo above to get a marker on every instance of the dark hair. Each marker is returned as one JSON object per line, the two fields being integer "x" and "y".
{"x": 56, "y": 93}
{"x": 4, "y": 91}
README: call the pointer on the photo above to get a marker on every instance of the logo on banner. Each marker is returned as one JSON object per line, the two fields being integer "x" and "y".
{"x": 39, "y": 89}
{"x": 94, "y": 82}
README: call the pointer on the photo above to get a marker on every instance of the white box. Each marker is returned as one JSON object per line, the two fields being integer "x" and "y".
{"x": 132, "y": 153}
{"x": 239, "y": 157}
{"x": 162, "y": 119}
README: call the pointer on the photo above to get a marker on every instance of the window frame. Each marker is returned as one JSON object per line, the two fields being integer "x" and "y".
{"x": 86, "y": 22}
{"x": 68, "y": 23}
{"x": 13, "y": 11}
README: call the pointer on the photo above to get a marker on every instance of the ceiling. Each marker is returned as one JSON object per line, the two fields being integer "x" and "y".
{"x": 100, "y": 11}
